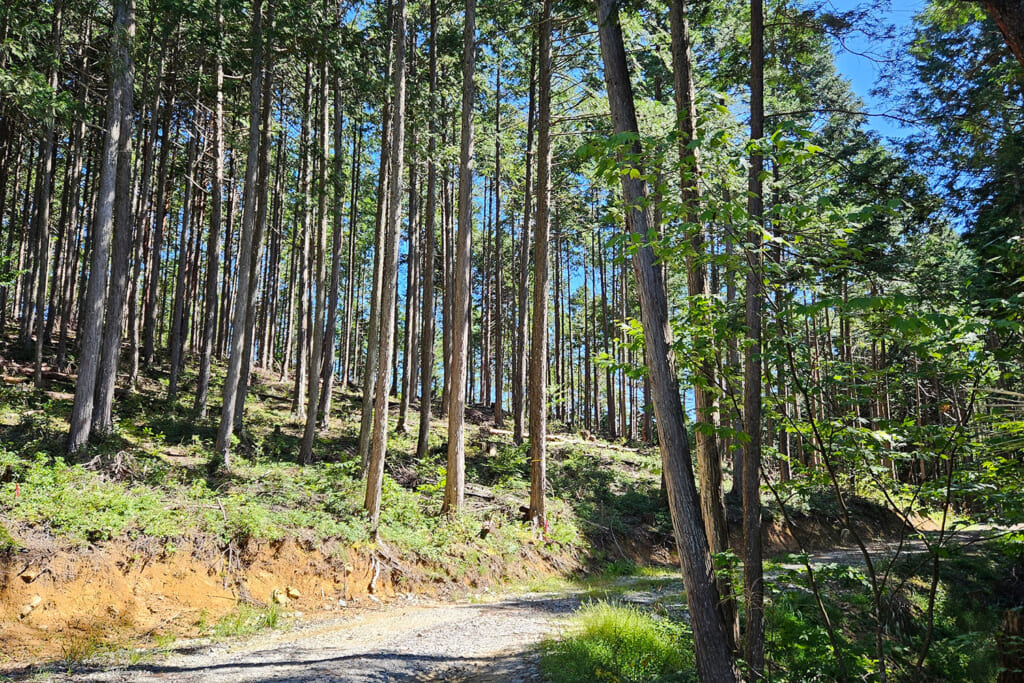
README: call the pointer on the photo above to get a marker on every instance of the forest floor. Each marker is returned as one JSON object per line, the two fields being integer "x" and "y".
{"x": 143, "y": 563}
{"x": 490, "y": 637}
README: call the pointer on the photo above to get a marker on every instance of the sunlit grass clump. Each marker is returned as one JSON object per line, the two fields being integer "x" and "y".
{"x": 610, "y": 642}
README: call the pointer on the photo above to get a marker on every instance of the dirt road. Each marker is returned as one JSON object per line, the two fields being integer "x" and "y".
{"x": 487, "y": 641}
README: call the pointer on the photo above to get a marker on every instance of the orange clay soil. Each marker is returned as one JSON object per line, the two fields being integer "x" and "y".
{"x": 119, "y": 594}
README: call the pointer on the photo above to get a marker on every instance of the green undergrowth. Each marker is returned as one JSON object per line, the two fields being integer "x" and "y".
{"x": 970, "y": 598}
{"x": 607, "y": 641}
{"x": 152, "y": 479}
{"x": 243, "y": 621}
{"x": 629, "y": 618}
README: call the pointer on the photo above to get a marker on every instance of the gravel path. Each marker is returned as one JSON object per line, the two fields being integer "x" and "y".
{"x": 491, "y": 642}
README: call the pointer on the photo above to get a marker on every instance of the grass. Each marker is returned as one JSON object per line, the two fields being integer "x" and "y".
{"x": 630, "y": 616}
{"x": 247, "y": 619}
{"x": 606, "y": 641}
{"x": 150, "y": 479}
{"x": 7, "y": 542}
{"x": 78, "y": 649}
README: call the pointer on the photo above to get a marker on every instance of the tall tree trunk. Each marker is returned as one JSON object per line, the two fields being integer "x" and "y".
{"x": 316, "y": 359}
{"x": 753, "y": 571}
{"x": 245, "y": 244}
{"x": 412, "y": 278}
{"x": 610, "y": 394}
{"x": 124, "y": 221}
{"x": 732, "y": 362}
{"x": 46, "y": 173}
{"x": 177, "y": 339}
{"x": 327, "y": 377}
{"x": 714, "y": 660}
{"x": 375, "y": 469}
{"x": 302, "y": 321}
{"x": 373, "y": 328}
{"x": 448, "y": 282}
{"x": 499, "y": 261}
{"x": 122, "y": 73}
{"x": 8, "y": 272}
{"x": 156, "y": 246}
{"x": 455, "y": 482}
{"x": 213, "y": 237}
{"x": 709, "y": 462}
{"x": 224, "y": 317}
{"x": 429, "y": 240}
{"x": 262, "y": 197}
{"x": 67, "y": 284}
{"x": 350, "y": 272}
{"x": 143, "y": 218}
{"x": 538, "y": 393}
{"x": 519, "y": 380}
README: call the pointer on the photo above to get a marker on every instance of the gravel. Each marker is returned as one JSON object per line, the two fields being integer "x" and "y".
{"x": 486, "y": 641}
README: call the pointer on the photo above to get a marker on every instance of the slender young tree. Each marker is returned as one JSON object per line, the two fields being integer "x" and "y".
{"x": 455, "y": 482}
{"x": 753, "y": 571}
{"x": 213, "y": 236}
{"x": 520, "y": 378}
{"x": 46, "y": 172}
{"x": 316, "y": 358}
{"x": 375, "y": 471}
{"x": 245, "y": 244}
{"x": 259, "y": 227}
{"x": 177, "y": 341}
{"x": 499, "y": 313}
{"x": 327, "y": 375}
{"x": 373, "y": 329}
{"x": 412, "y": 280}
{"x": 714, "y": 659}
{"x": 351, "y": 267}
{"x": 429, "y": 240}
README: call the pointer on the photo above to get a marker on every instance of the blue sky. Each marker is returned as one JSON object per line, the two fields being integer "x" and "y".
{"x": 860, "y": 58}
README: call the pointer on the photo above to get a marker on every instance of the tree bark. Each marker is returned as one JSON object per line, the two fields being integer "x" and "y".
{"x": 539, "y": 347}
{"x": 213, "y": 238}
{"x": 46, "y": 173}
{"x": 124, "y": 221}
{"x": 753, "y": 571}
{"x": 709, "y": 461}
{"x": 350, "y": 272}
{"x": 1009, "y": 16}
{"x": 714, "y": 660}
{"x": 316, "y": 359}
{"x": 245, "y": 244}
{"x": 123, "y": 31}
{"x": 520, "y": 378}
{"x": 427, "y": 338}
{"x": 375, "y": 470}
{"x": 499, "y": 261}
{"x": 412, "y": 277}
{"x": 455, "y": 482}
{"x": 327, "y": 378}
{"x": 177, "y": 341}
{"x": 262, "y": 187}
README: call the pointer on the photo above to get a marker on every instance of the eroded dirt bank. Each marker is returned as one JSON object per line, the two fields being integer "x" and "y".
{"x": 118, "y": 594}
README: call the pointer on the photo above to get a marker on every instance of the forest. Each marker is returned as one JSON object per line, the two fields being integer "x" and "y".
{"x": 631, "y": 320}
